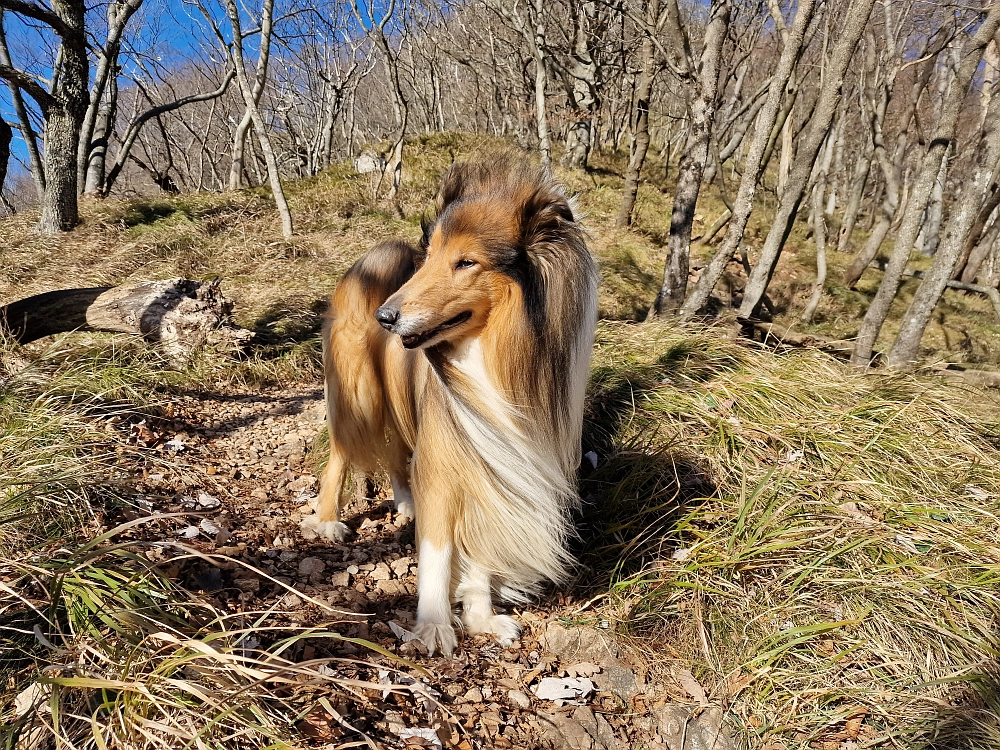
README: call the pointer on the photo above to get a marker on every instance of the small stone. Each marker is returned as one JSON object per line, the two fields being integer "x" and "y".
{"x": 475, "y": 695}
{"x": 519, "y": 698}
{"x": 311, "y": 566}
{"x": 341, "y": 580}
{"x": 353, "y": 569}
{"x": 247, "y": 584}
{"x": 381, "y": 572}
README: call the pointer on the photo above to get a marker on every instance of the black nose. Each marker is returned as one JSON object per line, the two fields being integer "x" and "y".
{"x": 387, "y": 316}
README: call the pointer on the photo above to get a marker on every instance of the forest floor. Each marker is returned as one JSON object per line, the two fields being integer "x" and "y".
{"x": 775, "y": 550}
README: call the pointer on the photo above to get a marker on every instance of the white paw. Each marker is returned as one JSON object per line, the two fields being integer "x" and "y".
{"x": 434, "y": 634}
{"x": 334, "y": 531}
{"x": 503, "y": 627}
{"x": 406, "y": 510}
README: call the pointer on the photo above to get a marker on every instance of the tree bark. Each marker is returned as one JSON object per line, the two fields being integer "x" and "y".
{"x": 753, "y": 166}
{"x": 98, "y": 122}
{"x": 907, "y": 344}
{"x": 258, "y": 122}
{"x": 6, "y": 136}
{"x": 704, "y": 91}
{"x": 260, "y": 78}
{"x": 819, "y": 233}
{"x": 180, "y": 315}
{"x": 940, "y": 141}
{"x": 639, "y": 144}
{"x": 852, "y": 27}
{"x": 582, "y": 88}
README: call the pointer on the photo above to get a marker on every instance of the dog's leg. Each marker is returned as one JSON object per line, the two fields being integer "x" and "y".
{"x": 477, "y": 606}
{"x": 402, "y": 498}
{"x": 434, "y": 618}
{"x": 326, "y": 521}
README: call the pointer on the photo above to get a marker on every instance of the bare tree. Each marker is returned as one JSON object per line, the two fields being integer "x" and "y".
{"x": 852, "y": 26}
{"x": 650, "y": 24}
{"x": 63, "y": 105}
{"x": 702, "y": 84}
{"x": 940, "y": 141}
{"x": 753, "y": 164}
{"x": 906, "y": 346}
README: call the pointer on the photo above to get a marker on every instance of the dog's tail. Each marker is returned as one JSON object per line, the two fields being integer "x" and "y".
{"x": 353, "y": 344}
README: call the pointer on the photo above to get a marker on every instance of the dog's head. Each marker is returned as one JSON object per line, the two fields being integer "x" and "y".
{"x": 480, "y": 250}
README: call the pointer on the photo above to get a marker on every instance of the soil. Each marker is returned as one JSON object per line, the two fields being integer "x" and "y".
{"x": 236, "y": 471}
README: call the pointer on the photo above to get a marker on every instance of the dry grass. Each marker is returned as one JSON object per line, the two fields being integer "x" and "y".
{"x": 823, "y": 540}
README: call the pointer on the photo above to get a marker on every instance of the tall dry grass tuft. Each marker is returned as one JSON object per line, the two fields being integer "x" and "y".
{"x": 820, "y": 544}
{"x": 100, "y": 648}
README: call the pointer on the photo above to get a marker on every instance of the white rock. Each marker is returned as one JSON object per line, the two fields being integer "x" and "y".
{"x": 208, "y": 527}
{"x": 563, "y": 688}
{"x": 189, "y": 532}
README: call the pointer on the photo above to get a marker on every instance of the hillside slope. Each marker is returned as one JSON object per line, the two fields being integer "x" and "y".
{"x": 773, "y": 544}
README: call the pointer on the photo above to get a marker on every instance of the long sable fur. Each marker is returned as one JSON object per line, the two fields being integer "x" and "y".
{"x": 493, "y": 422}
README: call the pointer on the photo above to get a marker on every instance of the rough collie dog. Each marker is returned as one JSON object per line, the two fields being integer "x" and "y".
{"x": 460, "y": 368}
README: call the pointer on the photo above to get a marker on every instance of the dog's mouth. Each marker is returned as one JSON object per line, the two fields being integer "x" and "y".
{"x": 413, "y": 340}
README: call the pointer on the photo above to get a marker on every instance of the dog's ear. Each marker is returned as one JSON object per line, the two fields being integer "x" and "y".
{"x": 456, "y": 182}
{"x": 545, "y": 213}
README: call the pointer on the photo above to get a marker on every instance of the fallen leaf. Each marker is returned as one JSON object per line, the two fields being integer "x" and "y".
{"x": 583, "y": 669}
{"x": 691, "y": 686}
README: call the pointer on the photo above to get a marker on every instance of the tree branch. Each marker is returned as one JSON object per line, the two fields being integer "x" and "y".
{"x": 38, "y": 12}
{"x": 136, "y": 126}
{"x": 28, "y": 84}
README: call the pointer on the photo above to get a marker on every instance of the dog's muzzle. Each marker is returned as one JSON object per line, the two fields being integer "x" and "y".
{"x": 387, "y": 317}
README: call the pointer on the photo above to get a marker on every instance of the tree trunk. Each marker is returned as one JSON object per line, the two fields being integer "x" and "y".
{"x": 582, "y": 89}
{"x": 640, "y": 115}
{"x": 6, "y": 136}
{"x": 179, "y": 314}
{"x": 753, "y": 166}
{"x": 852, "y": 27}
{"x": 64, "y": 115}
{"x": 938, "y": 145}
{"x": 819, "y": 231}
{"x": 258, "y": 121}
{"x": 99, "y": 121}
{"x": 906, "y": 347}
{"x": 260, "y": 79}
{"x": 541, "y": 79}
{"x": 692, "y": 165}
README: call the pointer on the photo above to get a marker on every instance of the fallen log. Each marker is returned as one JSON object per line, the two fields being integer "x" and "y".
{"x": 180, "y": 315}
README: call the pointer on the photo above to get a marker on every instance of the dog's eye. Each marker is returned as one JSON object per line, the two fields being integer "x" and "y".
{"x": 464, "y": 263}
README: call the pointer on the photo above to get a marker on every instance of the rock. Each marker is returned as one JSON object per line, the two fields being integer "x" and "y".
{"x": 341, "y": 580}
{"x": 677, "y": 725}
{"x": 617, "y": 679}
{"x": 564, "y": 732}
{"x": 588, "y": 646}
{"x": 475, "y": 695}
{"x": 518, "y": 698}
{"x": 381, "y": 572}
{"x": 401, "y": 567}
{"x": 353, "y": 569}
{"x": 247, "y": 584}
{"x": 311, "y": 567}
{"x": 582, "y": 731}
{"x": 367, "y": 162}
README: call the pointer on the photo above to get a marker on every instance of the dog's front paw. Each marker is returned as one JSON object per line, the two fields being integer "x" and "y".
{"x": 335, "y": 531}
{"x": 434, "y": 634}
{"x": 503, "y": 627}
{"x": 406, "y": 510}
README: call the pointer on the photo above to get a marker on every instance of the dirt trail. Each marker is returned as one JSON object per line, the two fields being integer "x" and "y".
{"x": 239, "y": 468}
